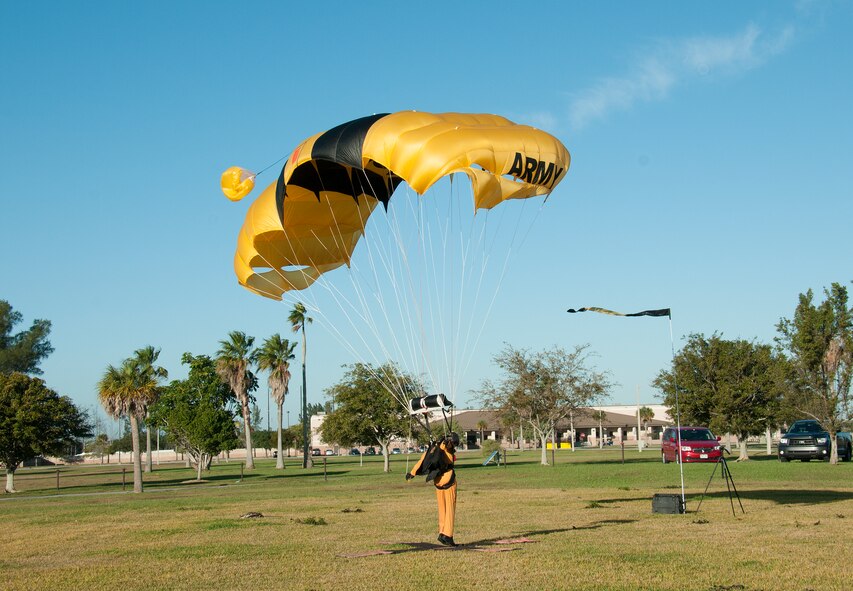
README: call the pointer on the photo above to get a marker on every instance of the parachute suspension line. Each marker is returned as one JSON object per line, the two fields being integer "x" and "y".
{"x": 388, "y": 266}
{"x": 476, "y": 248}
{"x": 454, "y": 207}
{"x": 418, "y": 211}
{"x": 396, "y": 393}
{"x": 433, "y": 305}
{"x": 441, "y": 282}
{"x": 396, "y": 389}
{"x": 445, "y": 296}
{"x": 391, "y": 272}
{"x": 337, "y": 296}
{"x": 466, "y": 344}
{"x": 270, "y": 166}
{"x": 367, "y": 310}
{"x": 505, "y": 265}
{"x": 412, "y": 285}
{"x": 408, "y": 444}
{"x": 436, "y": 264}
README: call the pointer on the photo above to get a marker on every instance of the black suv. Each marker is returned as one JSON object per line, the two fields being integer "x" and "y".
{"x": 807, "y": 440}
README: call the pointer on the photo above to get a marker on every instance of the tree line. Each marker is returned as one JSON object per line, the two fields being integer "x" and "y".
{"x": 747, "y": 388}
{"x": 731, "y": 385}
{"x": 197, "y": 413}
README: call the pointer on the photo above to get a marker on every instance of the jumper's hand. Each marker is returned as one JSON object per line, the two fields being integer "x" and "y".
{"x": 409, "y": 476}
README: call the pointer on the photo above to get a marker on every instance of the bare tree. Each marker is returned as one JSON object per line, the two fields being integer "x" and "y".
{"x": 544, "y": 388}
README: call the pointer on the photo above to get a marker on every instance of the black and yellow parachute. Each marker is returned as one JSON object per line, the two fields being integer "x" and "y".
{"x": 309, "y": 221}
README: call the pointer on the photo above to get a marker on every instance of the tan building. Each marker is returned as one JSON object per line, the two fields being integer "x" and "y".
{"x": 619, "y": 423}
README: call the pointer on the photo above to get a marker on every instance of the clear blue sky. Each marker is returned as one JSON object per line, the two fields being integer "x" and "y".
{"x": 711, "y": 173}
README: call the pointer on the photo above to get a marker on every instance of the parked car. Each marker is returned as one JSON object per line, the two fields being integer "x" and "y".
{"x": 315, "y": 451}
{"x": 370, "y": 451}
{"x": 808, "y": 440}
{"x": 354, "y": 452}
{"x": 330, "y": 452}
{"x": 396, "y": 451}
{"x": 698, "y": 444}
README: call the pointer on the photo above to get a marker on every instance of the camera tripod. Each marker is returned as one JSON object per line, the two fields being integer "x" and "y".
{"x": 730, "y": 484}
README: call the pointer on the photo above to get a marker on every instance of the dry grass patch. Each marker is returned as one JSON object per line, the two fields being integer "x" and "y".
{"x": 590, "y": 517}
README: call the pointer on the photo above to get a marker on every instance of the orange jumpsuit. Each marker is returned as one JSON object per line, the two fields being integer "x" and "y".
{"x": 437, "y": 463}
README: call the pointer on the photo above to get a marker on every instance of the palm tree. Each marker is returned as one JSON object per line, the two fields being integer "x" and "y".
{"x": 233, "y": 361}
{"x": 150, "y": 376}
{"x": 274, "y": 356}
{"x": 600, "y": 416}
{"x": 646, "y": 415}
{"x": 481, "y": 426}
{"x": 298, "y": 318}
{"x": 124, "y": 392}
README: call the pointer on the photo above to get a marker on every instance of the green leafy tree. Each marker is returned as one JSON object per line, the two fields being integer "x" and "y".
{"x": 436, "y": 432}
{"x": 313, "y": 408}
{"x": 365, "y": 409}
{"x": 543, "y": 389}
{"x": 123, "y": 443}
{"x": 298, "y": 319}
{"x": 819, "y": 341}
{"x": 99, "y": 446}
{"x": 274, "y": 357}
{"x": 263, "y": 439}
{"x": 233, "y": 364}
{"x": 291, "y": 438}
{"x": 22, "y": 351}
{"x": 34, "y": 420}
{"x": 195, "y": 412}
{"x": 731, "y": 386}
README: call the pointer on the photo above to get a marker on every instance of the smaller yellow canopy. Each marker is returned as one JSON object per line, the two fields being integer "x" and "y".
{"x": 237, "y": 182}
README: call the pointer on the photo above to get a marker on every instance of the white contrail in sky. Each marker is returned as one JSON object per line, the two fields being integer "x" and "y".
{"x": 672, "y": 63}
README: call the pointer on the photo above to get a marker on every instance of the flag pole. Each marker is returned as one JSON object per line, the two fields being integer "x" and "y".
{"x": 659, "y": 312}
{"x": 639, "y": 442}
{"x": 677, "y": 413}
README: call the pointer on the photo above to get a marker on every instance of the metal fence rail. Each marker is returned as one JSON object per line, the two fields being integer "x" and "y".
{"x": 82, "y": 479}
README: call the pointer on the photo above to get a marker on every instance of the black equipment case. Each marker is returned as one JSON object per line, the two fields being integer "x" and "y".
{"x": 667, "y": 503}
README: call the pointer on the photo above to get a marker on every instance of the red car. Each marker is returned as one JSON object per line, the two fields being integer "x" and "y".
{"x": 698, "y": 444}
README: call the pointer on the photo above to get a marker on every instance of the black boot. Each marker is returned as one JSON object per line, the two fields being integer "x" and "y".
{"x": 446, "y": 540}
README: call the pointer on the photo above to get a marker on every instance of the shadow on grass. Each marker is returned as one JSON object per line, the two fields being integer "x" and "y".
{"x": 786, "y": 496}
{"x": 493, "y": 544}
{"x": 779, "y": 496}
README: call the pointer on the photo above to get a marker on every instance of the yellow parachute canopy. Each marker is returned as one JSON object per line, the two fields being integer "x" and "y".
{"x": 309, "y": 221}
{"x": 237, "y": 182}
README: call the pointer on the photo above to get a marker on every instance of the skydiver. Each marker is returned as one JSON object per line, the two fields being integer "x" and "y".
{"x": 437, "y": 464}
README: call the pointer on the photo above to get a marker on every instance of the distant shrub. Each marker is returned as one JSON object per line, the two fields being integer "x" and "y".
{"x": 311, "y": 521}
{"x": 489, "y": 447}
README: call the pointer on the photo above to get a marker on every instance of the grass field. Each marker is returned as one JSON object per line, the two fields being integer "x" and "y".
{"x": 589, "y": 517}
